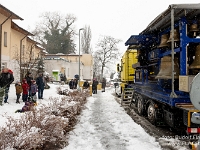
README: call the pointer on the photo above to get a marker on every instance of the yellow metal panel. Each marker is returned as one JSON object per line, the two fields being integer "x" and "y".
{"x": 129, "y": 58}
{"x": 189, "y": 116}
{"x": 122, "y": 85}
{"x": 90, "y": 90}
{"x": 99, "y": 86}
{"x": 81, "y": 83}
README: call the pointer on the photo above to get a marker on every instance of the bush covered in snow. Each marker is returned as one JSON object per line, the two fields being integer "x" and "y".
{"x": 45, "y": 126}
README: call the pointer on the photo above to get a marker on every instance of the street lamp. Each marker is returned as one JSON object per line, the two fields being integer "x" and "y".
{"x": 79, "y": 57}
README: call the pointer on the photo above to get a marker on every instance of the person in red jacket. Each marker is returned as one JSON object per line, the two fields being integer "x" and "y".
{"x": 25, "y": 88}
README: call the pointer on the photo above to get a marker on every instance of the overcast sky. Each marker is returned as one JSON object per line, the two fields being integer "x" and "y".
{"x": 117, "y": 18}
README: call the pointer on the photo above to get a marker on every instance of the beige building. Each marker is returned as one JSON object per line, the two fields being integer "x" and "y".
{"x": 55, "y": 66}
{"x": 86, "y": 67}
{"x": 17, "y": 50}
{"x": 6, "y": 17}
{"x": 69, "y": 65}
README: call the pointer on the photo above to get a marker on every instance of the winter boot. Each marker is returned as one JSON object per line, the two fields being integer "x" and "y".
{"x": 1, "y": 96}
{"x": 1, "y": 100}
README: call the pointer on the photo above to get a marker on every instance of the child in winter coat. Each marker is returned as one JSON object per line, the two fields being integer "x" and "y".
{"x": 19, "y": 90}
{"x": 33, "y": 91}
{"x": 27, "y": 107}
{"x": 25, "y": 88}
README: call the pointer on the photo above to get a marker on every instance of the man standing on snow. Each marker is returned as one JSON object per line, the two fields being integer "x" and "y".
{"x": 103, "y": 84}
{"x": 94, "y": 86}
{"x": 40, "y": 83}
{"x": 71, "y": 84}
{"x": 6, "y": 78}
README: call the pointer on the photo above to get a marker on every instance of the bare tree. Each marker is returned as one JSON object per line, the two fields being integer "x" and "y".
{"x": 107, "y": 51}
{"x": 28, "y": 60}
{"x": 96, "y": 67}
{"x": 86, "y": 40}
{"x": 56, "y": 32}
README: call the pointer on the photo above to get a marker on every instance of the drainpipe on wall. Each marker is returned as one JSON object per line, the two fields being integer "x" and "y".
{"x": 20, "y": 57}
{"x": 1, "y": 38}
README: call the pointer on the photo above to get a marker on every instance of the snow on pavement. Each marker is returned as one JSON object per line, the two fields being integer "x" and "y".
{"x": 104, "y": 125}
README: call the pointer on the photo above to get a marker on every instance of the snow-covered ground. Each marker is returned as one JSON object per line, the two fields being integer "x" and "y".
{"x": 103, "y": 125}
{"x": 10, "y": 107}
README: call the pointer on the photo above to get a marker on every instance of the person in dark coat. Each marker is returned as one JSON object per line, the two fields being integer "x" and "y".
{"x": 75, "y": 83}
{"x": 63, "y": 78}
{"x": 71, "y": 84}
{"x": 94, "y": 86}
{"x": 6, "y": 78}
{"x": 86, "y": 85}
{"x": 40, "y": 83}
{"x": 103, "y": 84}
{"x": 29, "y": 78}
